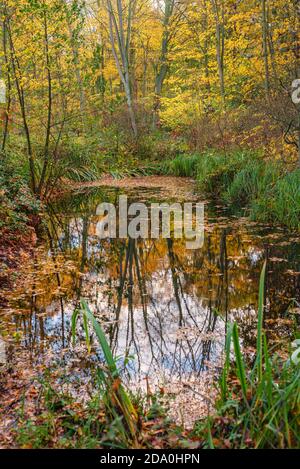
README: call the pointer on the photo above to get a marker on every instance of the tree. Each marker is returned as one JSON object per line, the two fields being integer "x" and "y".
{"x": 265, "y": 35}
{"x": 120, "y": 30}
{"x": 218, "y": 7}
{"x": 170, "y": 19}
{"x": 42, "y": 71}
{"x": 6, "y": 75}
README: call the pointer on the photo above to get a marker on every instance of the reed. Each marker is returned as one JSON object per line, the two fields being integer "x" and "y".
{"x": 118, "y": 405}
{"x": 184, "y": 165}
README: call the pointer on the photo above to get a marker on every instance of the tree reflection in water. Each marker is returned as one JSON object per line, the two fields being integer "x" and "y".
{"x": 166, "y": 306}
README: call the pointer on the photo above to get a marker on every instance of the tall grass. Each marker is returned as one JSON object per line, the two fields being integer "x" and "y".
{"x": 79, "y": 161}
{"x": 184, "y": 165}
{"x": 216, "y": 171}
{"x": 287, "y": 196}
{"x": 255, "y": 180}
{"x": 118, "y": 405}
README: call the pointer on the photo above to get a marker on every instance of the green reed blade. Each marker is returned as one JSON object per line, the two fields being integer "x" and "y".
{"x": 259, "y": 344}
{"x": 241, "y": 372}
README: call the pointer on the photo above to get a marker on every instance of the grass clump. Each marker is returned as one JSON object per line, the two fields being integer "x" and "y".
{"x": 254, "y": 181}
{"x": 216, "y": 171}
{"x": 246, "y": 180}
{"x": 286, "y": 208}
{"x": 63, "y": 422}
{"x": 182, "y": 165}
{"x": 259, "y": 399}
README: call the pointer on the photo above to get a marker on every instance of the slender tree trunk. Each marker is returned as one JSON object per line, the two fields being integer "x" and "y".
{"x": 145, "y": 71}
{"x": 49, "y": 116}
{"x": 206, "y": 46}
{"x": 120, "y": 48}
{"x": 219, "y": 13}
{"x": 82, "y": 98}
{"x": 101, "y": 52}
{"x": 75, "y": 53}
{"x": 130, "y": 108}
{"x": 162, "y": 68}
{"x": 265, "y": 35}
{"x": 8, "y": 94}
{"x": 272, "y": 50}
{"x": 102, "y": 67}
{"x": 21, "y": 96}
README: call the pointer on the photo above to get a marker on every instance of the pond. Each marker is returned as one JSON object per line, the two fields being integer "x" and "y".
{"x": 164, "y": 307}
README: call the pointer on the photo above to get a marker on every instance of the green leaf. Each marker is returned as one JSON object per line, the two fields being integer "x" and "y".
{"x": 239, "y": 361}
{"x": 259, "y": 345}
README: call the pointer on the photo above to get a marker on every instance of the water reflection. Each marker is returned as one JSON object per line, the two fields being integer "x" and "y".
{"x": 164, "y": 305}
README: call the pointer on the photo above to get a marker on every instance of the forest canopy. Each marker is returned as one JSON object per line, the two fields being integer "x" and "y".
{"x": 220, "y": 72}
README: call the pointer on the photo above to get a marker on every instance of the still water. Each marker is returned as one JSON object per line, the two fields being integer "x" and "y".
{"x": 163, "y": 306}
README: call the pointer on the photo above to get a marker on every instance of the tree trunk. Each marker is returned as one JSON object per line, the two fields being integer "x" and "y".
{"x": 17, "y": 73}
{"x": 49, "y": 116}
{"x": 265, "y": 45}
{"x": 8, "y": 102}
{"x": 120, "y": 48}
{"x": 219, "y": 13}
{"x": 162, "y": 68}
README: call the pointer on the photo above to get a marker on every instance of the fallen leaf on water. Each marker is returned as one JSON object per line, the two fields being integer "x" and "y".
{"x": 277, "y": 259}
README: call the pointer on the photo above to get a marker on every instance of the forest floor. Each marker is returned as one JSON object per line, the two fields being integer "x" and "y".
{"x": 37, "y": 411}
